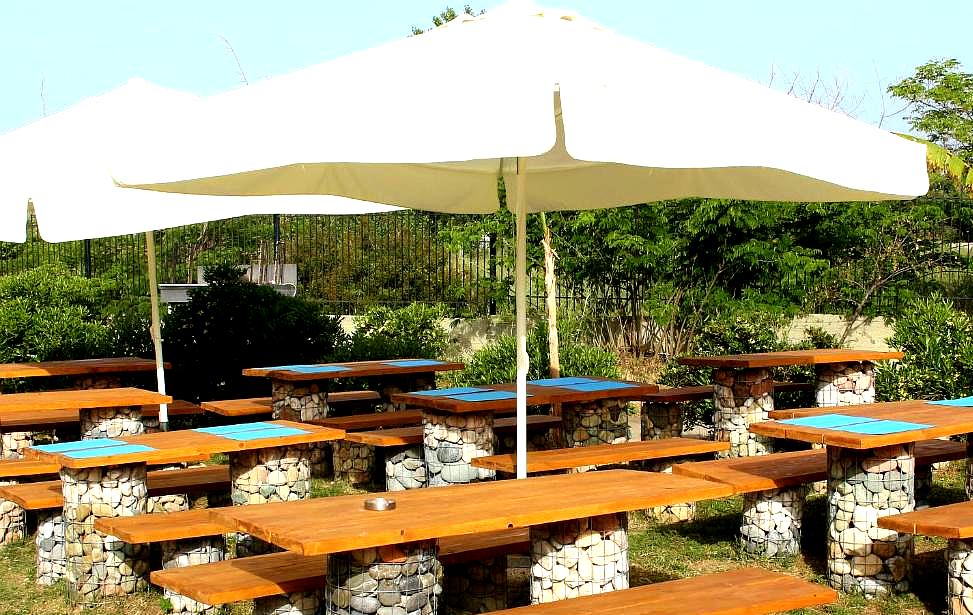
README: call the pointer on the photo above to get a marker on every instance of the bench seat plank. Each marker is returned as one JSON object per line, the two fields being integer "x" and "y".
{"x": 19, "y": 468}
{"x": 704, "y": 392}
{"x": 378, "y": 420}
{"x": 404, "y": 436}
{"x": 52, "y": 418}
{"x": 602, "y": 454}
{"x": 951, "y": 521}
{"x": 239, "y": 407}
{"x": 746, "y": 591}
{"x": 158, "y": 527}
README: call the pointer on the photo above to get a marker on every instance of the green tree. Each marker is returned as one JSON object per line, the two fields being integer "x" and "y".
{"x": 940, "y": 104}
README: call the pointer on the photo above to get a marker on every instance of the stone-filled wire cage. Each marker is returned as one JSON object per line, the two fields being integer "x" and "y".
{"x": 49, "y": 542}
{"x": 478, "y": 586}
{"x": 403, "y": 578}
{"x": 451, "y": 442}
{"x": 845, "y": 384}
{"x": 771, "y": 524}
{"x": 13, "y": 519}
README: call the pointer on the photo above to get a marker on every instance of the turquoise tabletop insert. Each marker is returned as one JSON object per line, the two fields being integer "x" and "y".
{"x": 828, "y": 421}
{"x": 223, "y": 430}
{"x": 413, "y": 363}
{"x": 80, "y": 445}
{"x": 962, "y": 401}
{"x": 311, "y": 369}
{"x": 881, "y": 428}
{"x": 559, "y": 382}
{"x": 485, "y": 396}
{"x": 109, "y": 451}
{"x": 278, "y": 431}
{"x": 452, "y": 391}
{"x": 600, "y": 385}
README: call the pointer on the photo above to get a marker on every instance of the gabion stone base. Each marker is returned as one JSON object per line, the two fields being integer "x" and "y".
{"x": 864, "y": 485}
{"x": 597, "y": 422}
{"x": 537, "y": 440}
{"x": 50, "y": 560}
{"x": 969, "y": 466}
{"x": 405, "y": 468}
{"x": 959, "y": 577}
{"x": 387, "y": 386}
{"x": 923, "y": 486}
{"x": 101, "y": 566}
{"x": 98, "y": 381}
{"x": 771, "y": 524}
{"x": 353, "y": 463}
{"x": 12, "y": 444}
{"x": 672, "y": 513}
{"x": 13, "y": 519}
{"x": 581, "y": 557}
{"x": 167, "y": 503}
{"x": 742, "y": 397}
{"x": 111, "y": 422}
{"x": 661, "y": 421}
{"x": 183, "y": 553}
{"x": 475, "y": 587}
{"x": 451, "y": 442}
{"x": 845, "y": 384}
{"x": 297, "y": 603}
{"x": 299, "y": 401}
{"x": 394, "y": 579}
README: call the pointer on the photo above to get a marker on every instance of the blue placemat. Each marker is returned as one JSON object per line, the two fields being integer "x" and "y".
{"x": 485, "y": 396}
{"x": 223, "y": 430}
{"x": 413, "y": 363}
{"x": 278, "y": 431}
{"x": 80, "y": 445}
{"x": 600, "y": 385}
{"x": 310, "y": 369}
{"x": 827, "y": 421}
{"x": 109, "y": 450}
{"x": 452, "y": 391}
{"x": 559, "y": 382}
{"x": 962, "y": 401}
{"x": 880, "y": 428}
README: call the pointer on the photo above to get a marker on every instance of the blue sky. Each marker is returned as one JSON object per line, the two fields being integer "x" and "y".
{"x": 70, "y": 50}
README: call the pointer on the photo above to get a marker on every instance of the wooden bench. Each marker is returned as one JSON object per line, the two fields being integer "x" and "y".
{"x": 254, "y": 406}
{"x": 41, "y": 420}
{"x": 704, "y": 392}
{"x": 265, "y": 576}
{"x": 746, "y": 591}
{"x": 602, "y": 454}
{"x": 377, "y": 420}
{"x": 404, "y": 436}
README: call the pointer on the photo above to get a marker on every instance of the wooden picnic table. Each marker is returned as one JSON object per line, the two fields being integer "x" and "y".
{"x": 269, "y": 461}
{"x": 871, "y": 474}
{"x": 744, "y": 388}
{"x": 300, "y": 392}
{"x": 590, "y": 509}
{"x": 458, "y": 422}
{"x": 77, "y": 367}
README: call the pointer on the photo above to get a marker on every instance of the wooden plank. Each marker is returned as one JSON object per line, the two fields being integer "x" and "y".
{"x": 746, "y": 591}
{"x": 791, "y": 357}
{"x": 455, "y": 549}
{"x": 951, "y": 521}
{"x": 48, "y": 419}
{"x": 18, "y": 468}
{"x": 79, "y": 399}
{"x": 355, "y": 369}
{"x": 378, "y": 420}
{"x": 43, "y": 495}
{"x": 680, "y": 394}
{"x": 328, "y": 525}
{"x": 78, "y": 367}
{"x": 178, "y": 407}
{"x": 239, "y": 407}
{"x": 161, "y": 526}
{"x": 602, "y": 454}
{"x": 403, "y": 436}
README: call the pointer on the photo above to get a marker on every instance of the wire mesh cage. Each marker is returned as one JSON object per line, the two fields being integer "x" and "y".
{"x": 959, "y": 580}
{"x": 596, "y": 422}
{"x": 474, "y": 587}
{"x": 50, "y": 557}
{"x": 405, "y": 468}
{"x": 404, "y": 577}
{"x": 771, "y": 525}
{"x": 191, "y": 552}
{"x": 845, "y": 384}
{"x": 741, "y": 398}
{"x": 451, "y": 442}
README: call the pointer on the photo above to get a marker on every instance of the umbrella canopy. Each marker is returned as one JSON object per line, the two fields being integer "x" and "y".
{"x": 594, "y": 119}
{"x": 59, "y": 165}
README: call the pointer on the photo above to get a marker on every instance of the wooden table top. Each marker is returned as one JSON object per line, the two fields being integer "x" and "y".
{"x": 239, "y": 407}
{"x": 791, "y": 357}
{"x": 952, "y": 521}
{"x": 167, "y": 445}
{"x": 78, "y": 367}
{"x": 941, "y": 421}
{"x": 353, "y": 369}
{"x": 537, "y": 396}
{"x": 331, "y": 525}
{"x": 79, "y": 399}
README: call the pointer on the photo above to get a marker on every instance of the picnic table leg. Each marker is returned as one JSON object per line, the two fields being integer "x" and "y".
{"x": 281, "y": 474}
{"x": 111, "y": 422}
{"x": 49, "y": 542}
{"x": 845, "y": 384}
{"x": 580, "y": 557}
{"x": 100, "y": 566}
{"x": 387, "y": 386}
{"x": 12, "y": 519}
{"x": 451, "y": 442}
{"x": 969, "y": 466}
{"x": 603, "y": 421}
{"x": 293, "y": 603}
{"x": 405, "y": 468}
{"x": 403, "y": 578}
{"x": 13, "y": 444}
{"x": 191, "y": 552}
{"x": 474, "y": 587}
{"x": 742, "y": 397}
{"x": 659, "y": 422}
{"x": 304, "y": 401}
{"x": 771, "y": 524}
{"x": 959, "y": 590}
{"x": 864, "y": 485}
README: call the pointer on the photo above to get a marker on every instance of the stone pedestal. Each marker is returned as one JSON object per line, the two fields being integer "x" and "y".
{"x": 405, "y": 468}
{"x": 98, "y": 381}
{"x": 592, "y": 423}
{"x": 540, "y": 439}
{"x": 101, "y": 566}
{"x": 12, "y": 519}
{"x": 671, "y": 513}
{"x": 296, "y": 603}
{"x": 393, "y": 579}
{"x": 451, "y": 442}
{"x": 280, "y": 474}
{"x": 193, "y": 552}
{"x": 475, "y": 587}
{"x": 845, "y": 384}
{"x": 923, "y": 486}
{"x": 168, "y": 503}
{"x": 864, "y": 485}
{"x": 742, "y": 397}
{"x": 50, "y": 556}
{"x": 661, "y": 421}
{"x": 299, "y": 400}
{"x": 111, "y": 422}
{"x": 387, "y": 386}
{"x": 581, "y": 557}
{"x": 353, "y": 463}
{"x": 969, "y": 466}
{"x": 771, "y": 525}
{"x": 959, "y": 578}
{"x": 12, "y": 444}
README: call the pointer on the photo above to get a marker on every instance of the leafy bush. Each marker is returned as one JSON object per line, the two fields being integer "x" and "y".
{"x": 387, "y": 333}
{"x": 47, "y": 313}
{"x": 938, "y": 343}
{"x": 231, "y": 324}
{"x": 497, "y": 362}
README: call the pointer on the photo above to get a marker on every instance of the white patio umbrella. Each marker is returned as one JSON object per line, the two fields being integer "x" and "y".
{"x": 588, "y": 118}
{"x": 58, "y": 164}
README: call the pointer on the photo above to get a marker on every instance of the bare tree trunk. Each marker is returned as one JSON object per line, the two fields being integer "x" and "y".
{"x": 550, "y": 286}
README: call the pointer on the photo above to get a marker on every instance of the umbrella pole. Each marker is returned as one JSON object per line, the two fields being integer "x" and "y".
{"x": 523, "y": 360}
{"x": 156, "y": 330}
